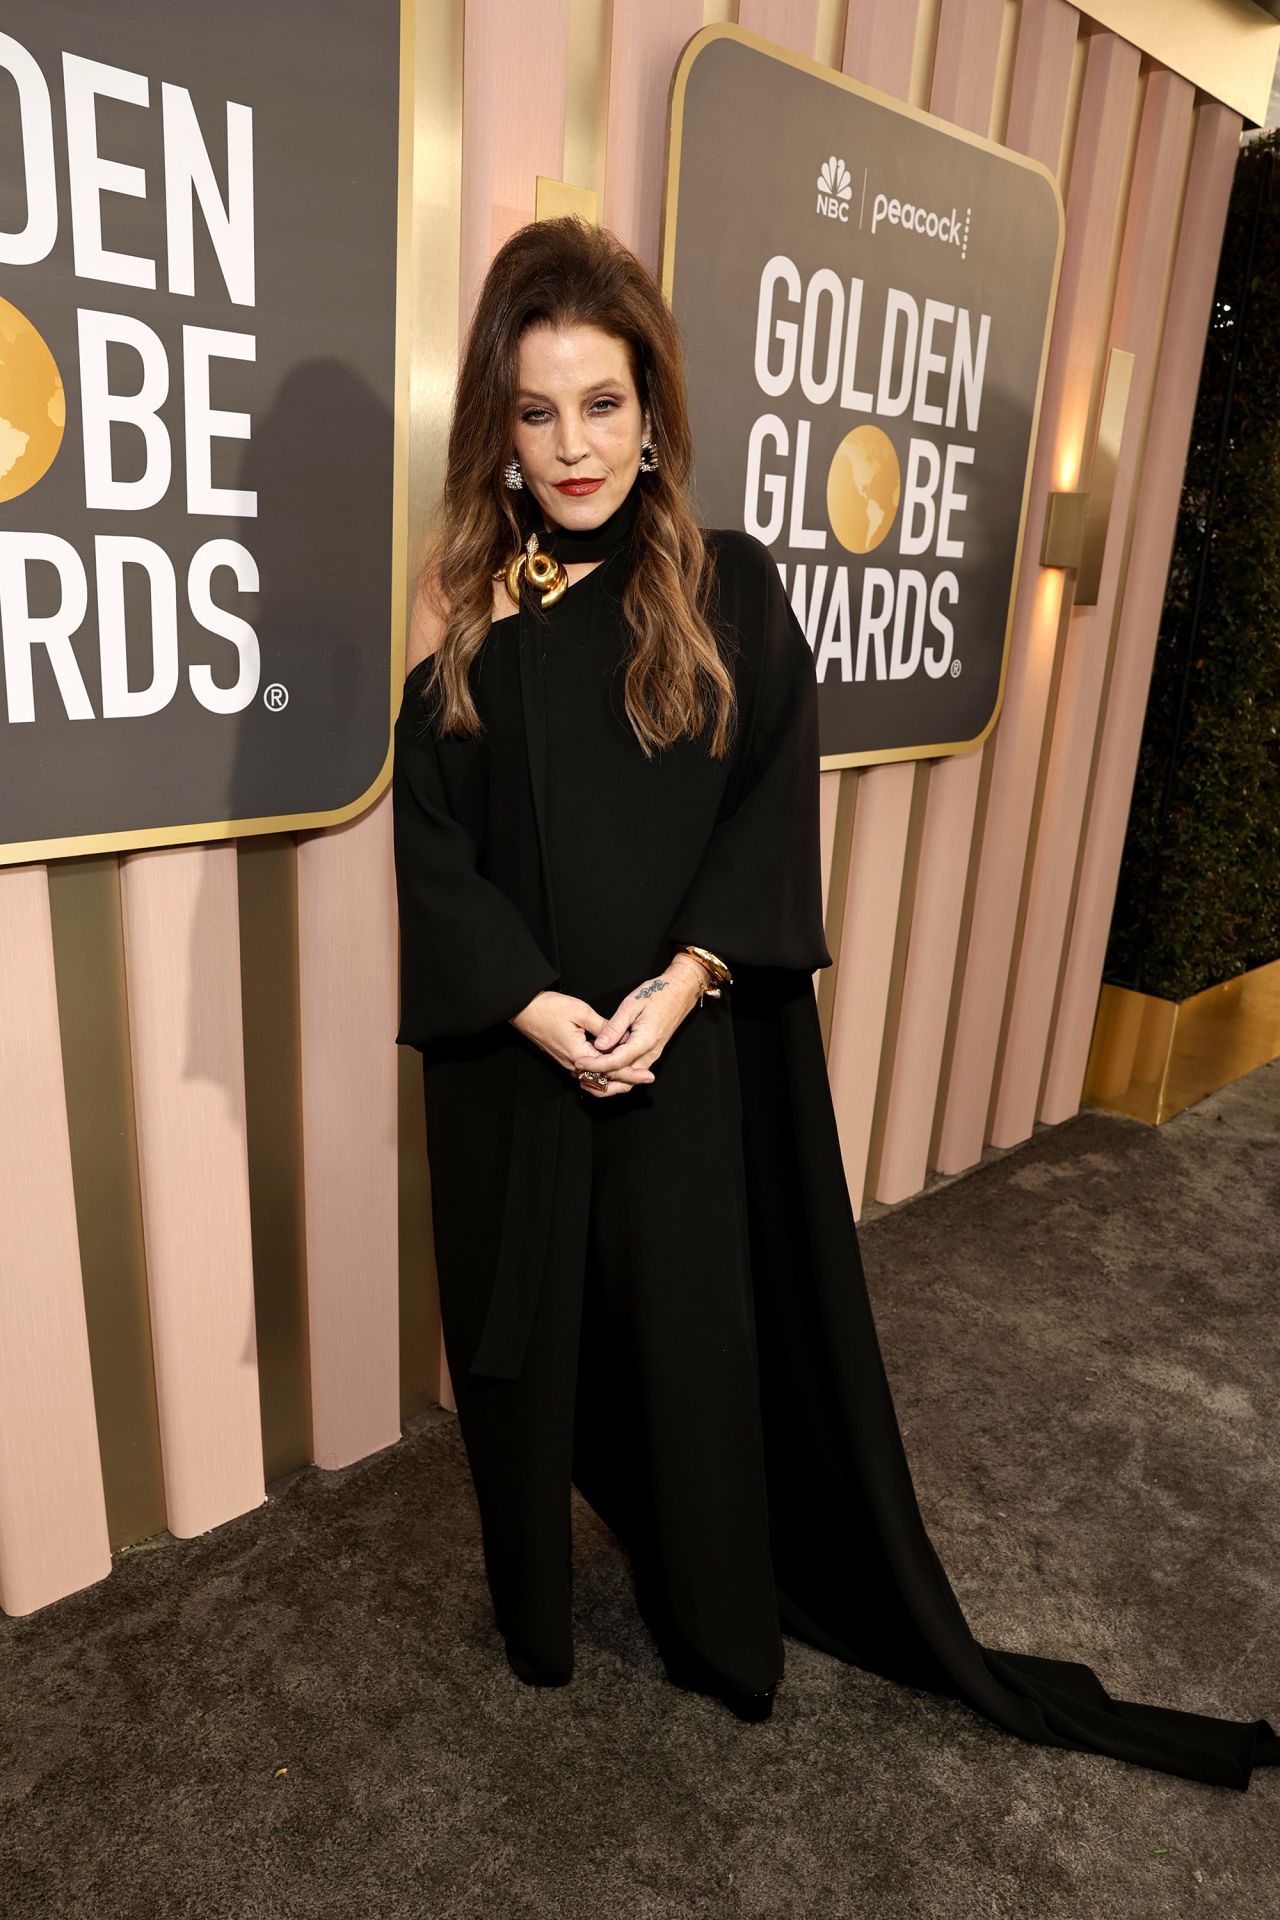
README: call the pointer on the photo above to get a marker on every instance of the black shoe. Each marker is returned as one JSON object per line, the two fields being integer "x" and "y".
{"x": 535, "y": 1676}
{"x": 748, "y": 1706}
{"x": 745, "y": 1706}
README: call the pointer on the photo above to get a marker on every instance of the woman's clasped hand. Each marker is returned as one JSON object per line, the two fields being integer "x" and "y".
{"x": 624, "y": 1047}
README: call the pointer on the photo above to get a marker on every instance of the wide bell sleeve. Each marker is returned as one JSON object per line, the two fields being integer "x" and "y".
{"x": 756, "y": 897}
{"x": 468, "y": 959}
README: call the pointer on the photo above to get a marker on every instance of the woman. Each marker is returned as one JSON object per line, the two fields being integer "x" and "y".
{"x": 607, "y": 854}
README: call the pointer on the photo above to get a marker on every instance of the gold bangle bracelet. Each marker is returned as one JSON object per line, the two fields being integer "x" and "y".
{"x": 715, "y": 966}
{"x": 712, "y": 961}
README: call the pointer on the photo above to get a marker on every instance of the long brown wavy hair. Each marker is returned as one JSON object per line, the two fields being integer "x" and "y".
{"x": 562, "y": 273}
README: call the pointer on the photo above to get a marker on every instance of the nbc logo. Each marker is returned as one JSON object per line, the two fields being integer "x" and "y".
{"x": 834, "y": 189}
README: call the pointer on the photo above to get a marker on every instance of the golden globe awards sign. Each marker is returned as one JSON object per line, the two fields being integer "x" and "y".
{"x": 864, "y": 294}
{"x": 198, "y": 472}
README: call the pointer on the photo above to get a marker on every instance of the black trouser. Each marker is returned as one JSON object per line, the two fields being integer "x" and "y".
{"x": 639, "y": 1382}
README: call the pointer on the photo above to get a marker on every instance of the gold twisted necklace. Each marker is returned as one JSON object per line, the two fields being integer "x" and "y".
{"x": 543, "y": 570}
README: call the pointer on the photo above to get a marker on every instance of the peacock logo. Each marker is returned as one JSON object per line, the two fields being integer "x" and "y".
{"x": 835, "y": 189}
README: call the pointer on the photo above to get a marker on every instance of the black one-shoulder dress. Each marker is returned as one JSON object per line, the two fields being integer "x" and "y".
{"x": 659, "y": 1297}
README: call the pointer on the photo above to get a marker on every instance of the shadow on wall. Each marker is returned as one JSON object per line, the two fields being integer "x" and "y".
{"x": 322, "y": 539}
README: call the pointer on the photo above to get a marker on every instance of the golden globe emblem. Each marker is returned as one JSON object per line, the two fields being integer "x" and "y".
{"x": 33, "y": 407}
{"x": 863, "y": 489}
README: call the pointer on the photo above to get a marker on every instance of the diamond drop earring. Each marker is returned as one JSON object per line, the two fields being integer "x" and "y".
{"x": 648, "y": 456}
{"x": 512, "y": 473}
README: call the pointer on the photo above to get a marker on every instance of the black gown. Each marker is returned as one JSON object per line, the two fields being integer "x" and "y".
{"x": 659, "y": 1297}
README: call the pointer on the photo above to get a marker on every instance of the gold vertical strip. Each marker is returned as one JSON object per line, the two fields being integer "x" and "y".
{"x": 419, "y": 1289}
{"x": 586, "y": 103}
{"x": 431, "y": 331}
{"x": 53, "y": 1522}
{"x": 829, "y": 34}
{"x": 267, "y": 885}
{"x": 93, "y": 1019}
{"x": 435, "y": 220}
{"x": 837, "y": 894}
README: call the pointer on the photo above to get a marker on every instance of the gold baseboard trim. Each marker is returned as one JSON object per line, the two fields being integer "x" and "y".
{"x": 1152, "y": 1058}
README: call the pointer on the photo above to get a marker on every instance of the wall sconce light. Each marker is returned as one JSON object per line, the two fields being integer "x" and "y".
{"x": 1075, "y": 523}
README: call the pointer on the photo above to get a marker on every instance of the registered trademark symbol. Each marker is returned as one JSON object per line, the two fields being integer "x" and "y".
{"x": 276, "y": 697}
{"x": 955, "y": 669}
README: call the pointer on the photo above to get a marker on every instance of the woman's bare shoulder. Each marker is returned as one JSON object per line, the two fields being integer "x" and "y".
{"x": 427, "y": 619}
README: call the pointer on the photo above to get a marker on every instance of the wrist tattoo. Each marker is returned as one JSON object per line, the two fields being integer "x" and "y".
{"x": 650, "y": 988}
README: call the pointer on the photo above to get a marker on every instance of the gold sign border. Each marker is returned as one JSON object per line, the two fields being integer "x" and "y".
{"x": 726, "y": 30}
{"x": 126, "y": 840}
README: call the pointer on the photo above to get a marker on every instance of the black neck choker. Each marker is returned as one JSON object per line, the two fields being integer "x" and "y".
{"x": 570, "y": 545}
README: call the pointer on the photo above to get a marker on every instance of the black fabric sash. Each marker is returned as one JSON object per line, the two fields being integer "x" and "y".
{"x": 537, "y": 1141}
{"x": 612, "y": 536}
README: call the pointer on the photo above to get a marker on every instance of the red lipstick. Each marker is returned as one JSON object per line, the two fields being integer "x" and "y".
{"x": 577, "y": 487}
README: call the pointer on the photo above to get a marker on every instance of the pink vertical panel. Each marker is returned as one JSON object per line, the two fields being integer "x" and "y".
{"x": 53, "y": 1528}
{"x": 347, "y": 1011}
{"x": 182, "y": 959}
{"x": 879, "y": 48}
{"x": 1136, "y": 317}
{"x": 880, "y": 44}
{"x": 964, "y": 74}
{"x": 514, "y": 74}
{"x": 1213, "y": 162}
{"x": 792, "y": 23}
{"x": 965, "y": 54}
{"x": 646, "y": 42}
{"x": 1092, "y": 209}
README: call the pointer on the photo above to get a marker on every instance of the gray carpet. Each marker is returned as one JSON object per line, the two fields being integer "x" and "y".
{"x": 1082, "y": 1338}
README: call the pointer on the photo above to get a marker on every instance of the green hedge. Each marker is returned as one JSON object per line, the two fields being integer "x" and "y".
{"x": 1199, "y": 894}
